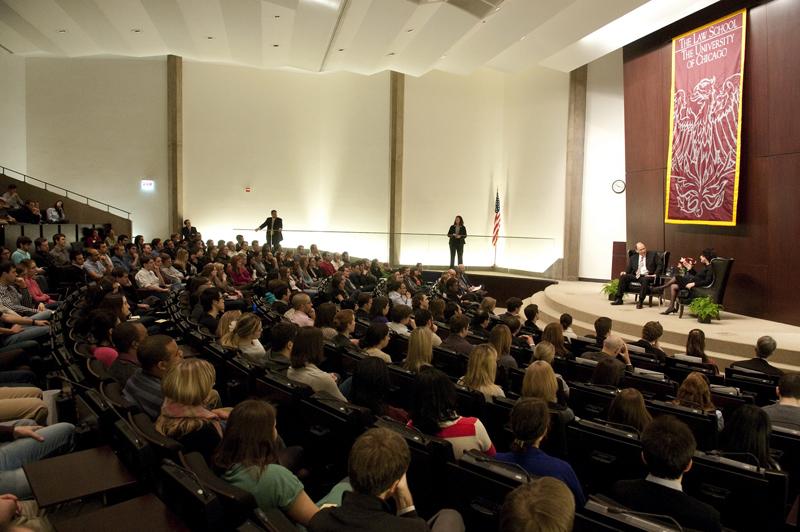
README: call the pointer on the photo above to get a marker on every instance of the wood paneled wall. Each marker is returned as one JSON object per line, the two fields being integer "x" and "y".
{"x": 764, "y": 243}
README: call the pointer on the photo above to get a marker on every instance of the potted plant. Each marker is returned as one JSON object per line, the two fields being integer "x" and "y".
{"x": 610, "y": 289}
{"x": 705, "y": 309}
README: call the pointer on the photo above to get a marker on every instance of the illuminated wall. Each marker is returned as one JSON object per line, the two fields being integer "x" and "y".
{"x": 313, "y": 147}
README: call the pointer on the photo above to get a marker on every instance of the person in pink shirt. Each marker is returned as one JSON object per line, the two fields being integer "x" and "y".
{"x": 303, "y": 314}
{"x": 238, "y": 272}
{"x": 27, "y": 270}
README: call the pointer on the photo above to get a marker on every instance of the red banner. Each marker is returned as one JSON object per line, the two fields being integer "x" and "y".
{"x": 705, "y": 123}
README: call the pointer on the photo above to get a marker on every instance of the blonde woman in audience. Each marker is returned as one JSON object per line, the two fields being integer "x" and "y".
{"x": 184, "y": 415}
{"x": 695, "y": 392}
{"x": 420, "y": 349}
{"x": 540, "y": 381}
{"x": 182, "y": 264}
{"x": 545, "y": 351}
{"x": 227, "y": 323}
{"x": 246, "y": 337}
{"x": 488, "y": 305}
{"x": 481, "y": 372}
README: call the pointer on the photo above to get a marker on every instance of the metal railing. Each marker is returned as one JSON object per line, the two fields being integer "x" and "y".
{"x": 69, "y": 194}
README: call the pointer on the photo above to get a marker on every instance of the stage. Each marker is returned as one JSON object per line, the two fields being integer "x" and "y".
{"x": 727, "y": 340}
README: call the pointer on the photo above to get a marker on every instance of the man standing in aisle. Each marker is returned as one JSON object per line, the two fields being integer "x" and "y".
{"x": 274, "y": 227}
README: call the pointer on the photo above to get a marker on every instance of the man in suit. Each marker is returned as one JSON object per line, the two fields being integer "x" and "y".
{"x": 765, "y": 346}
{"x": 667, "y": 449}
{"x": 642, "y": 267}
{"x": 274, "y": 227}
{"x": 377, "y": 469}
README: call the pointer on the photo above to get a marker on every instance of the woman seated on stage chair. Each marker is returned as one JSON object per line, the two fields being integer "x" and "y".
{"x": 690, "y": 279}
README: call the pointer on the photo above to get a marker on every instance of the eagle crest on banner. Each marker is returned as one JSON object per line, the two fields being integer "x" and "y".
{"x": 704, "y": 144}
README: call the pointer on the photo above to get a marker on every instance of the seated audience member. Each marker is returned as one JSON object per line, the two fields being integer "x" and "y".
{"x": 397, "y": 293}
{"x": 500, "y": 338}
{"x": 746, "y": 437}
{"x": 786, "y": 412}
{"x": 530, "y": 421}
{"x": 424, "y": 318}
{"x": 28, "y": 272}
{"x": 377, "y": 466}
{"x": 436, "y": 306}
{"x": 25, "y": 442}
{"x": 95, "y": 267}
{"x": 566, "y": 325}
{"x": 127, "y": 337}
{"x": 323, "y": 320}
{"x": 22, "y": 333}
{"x": 379, "y": 310}
{"x": 628, "y": 409}
{"x": 237, "y": 271}
{"x": 531, "y": 315}
{"x": 146, "y": 278}
{"x": 451, "y": 308}
{"x": 364, "y": 306}
{"x": 513, "y": 306}
{"x": 602, "y": 328}
{"x": 302, "y": 311}
{"x": 281, "y": 340}
{"x": 170, "y": 273}
{"x": 60, "y": 252}
{"x": 541, "y": 505}
{"x": 479, "y": 325}
{"x": 694, "y": 392}
{"x": 456, "y": 339}
{"x": 102, "y": 326}
{"x": 651, "y": 332}
{"x": 12, "y": 197}
{"x": 696, "y": 347}
{"x": 56, "y": 214}
{"x": 518, "y": 336}
{"x": 22, "y": 402}
{"x": 370, "y": 386}
{"x": 401, "y": 320}
{"x": 245, "y": 337}
{"x": 344, "y": 323}
{"x": 227, "y": 322}
{"x": 185, "y": 416}
{"x": 23, "y": 251}
{"x": 554, "y": 334}
{"x": 667, "y": 450}
{"x": 488, "y": 305}
{"x": 282, "y": 297}
{"x": 213, "y": 304}
{"x": 608, "y": 372}
{"x": 765, "y": 346}
{"x": 249, "y": 456}
{"x": 545, "y": 351}
{"x": 157, "y": 355}
{"x": 420, "y": 350}
{"x": 15, "y": 296}
{"x": 41, "y": 254}
{"x": 540, "y": 382}
{"x": 120, "y": 259}
{"x": 614, "y": 348}
{"x": 307, "y": 352}
{"x": 375, "y": 340}
{"x": 482, "y": 371}
{"x": 420, "y": 301}
{"x": 434, "y": 413}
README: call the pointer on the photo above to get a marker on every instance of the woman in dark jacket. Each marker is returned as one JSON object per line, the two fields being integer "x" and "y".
{"x": 691, "y": 278}
{"x": 457, "y": 234}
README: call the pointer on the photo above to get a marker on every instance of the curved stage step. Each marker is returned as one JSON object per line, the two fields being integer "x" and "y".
{"x": 727, "y": 340}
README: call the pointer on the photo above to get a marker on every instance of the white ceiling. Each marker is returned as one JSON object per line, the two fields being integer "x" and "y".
{"x": 362, "y": 36}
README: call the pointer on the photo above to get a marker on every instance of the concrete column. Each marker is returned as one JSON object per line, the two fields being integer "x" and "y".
{"x": 397, "y": 108}
{"x": 175, "y": 140}
{"x": 573, "y": 192}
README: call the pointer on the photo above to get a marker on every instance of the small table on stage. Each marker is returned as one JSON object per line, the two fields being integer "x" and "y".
{"x": 77, "y": 475}
{"x": 142, "y": 513}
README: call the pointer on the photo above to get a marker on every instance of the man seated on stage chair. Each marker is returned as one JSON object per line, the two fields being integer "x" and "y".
{"x": 642, "y": 267}
{"x": 765, "y": 346}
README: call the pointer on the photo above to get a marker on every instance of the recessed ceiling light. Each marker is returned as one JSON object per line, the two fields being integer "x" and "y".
{"x": 210, "y": 37}
{"x": 62, "y": 30}
{"x": 136, "y": 30}
{"x": 275, "y": 45}
{"x": 390, "y": 53}
{"x": 409, "y": 30}
{"x": 277, "y": 16}
{"x": 341, "y": 49}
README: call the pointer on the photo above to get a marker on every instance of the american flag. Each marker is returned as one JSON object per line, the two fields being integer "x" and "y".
{"x": 496, "y": 231}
